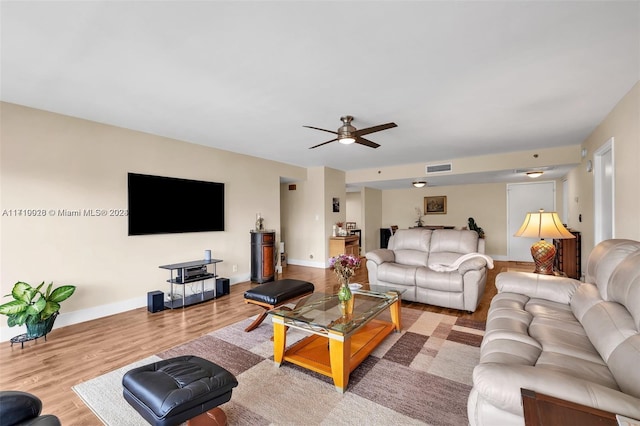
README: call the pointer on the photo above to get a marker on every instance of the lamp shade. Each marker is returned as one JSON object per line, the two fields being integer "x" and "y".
{"x": 543, "y": 224}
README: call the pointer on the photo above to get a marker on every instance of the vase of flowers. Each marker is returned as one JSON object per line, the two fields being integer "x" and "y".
{"x": 345, "y": 266}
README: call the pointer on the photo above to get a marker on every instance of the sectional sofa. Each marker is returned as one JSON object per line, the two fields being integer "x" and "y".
{"x": 560, "y": 337}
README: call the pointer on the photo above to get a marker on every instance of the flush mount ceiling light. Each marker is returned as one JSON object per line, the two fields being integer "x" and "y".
{"x": 419, "y": 183}
{"x": 534, "y": 174}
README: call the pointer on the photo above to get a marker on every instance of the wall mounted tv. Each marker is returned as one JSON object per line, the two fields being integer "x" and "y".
{"x": 166, "y": 205}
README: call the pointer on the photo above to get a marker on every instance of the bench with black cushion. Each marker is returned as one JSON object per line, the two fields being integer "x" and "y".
{"x": 275, "y": 294}
{"x": 176, "y": 390}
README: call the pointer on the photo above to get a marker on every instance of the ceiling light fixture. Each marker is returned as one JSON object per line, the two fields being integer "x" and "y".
{"x": 346, "y": 140}
{"x": 419, "y": 183}
{"x": 534, "y": 174}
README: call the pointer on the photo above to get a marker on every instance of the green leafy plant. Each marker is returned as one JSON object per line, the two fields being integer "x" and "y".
{"x": 30, "y": 305}
{"x": 474, "y": 227}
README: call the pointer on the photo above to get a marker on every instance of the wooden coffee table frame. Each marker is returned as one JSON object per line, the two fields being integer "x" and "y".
{"x": 345, "y": 352}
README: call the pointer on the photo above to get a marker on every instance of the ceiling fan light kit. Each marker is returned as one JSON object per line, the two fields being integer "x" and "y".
{"x": 347, "y": 140}
{"x": 347, "y": 134}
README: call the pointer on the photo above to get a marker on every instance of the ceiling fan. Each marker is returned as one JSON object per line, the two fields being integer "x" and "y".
{"x": 348, "y": 134}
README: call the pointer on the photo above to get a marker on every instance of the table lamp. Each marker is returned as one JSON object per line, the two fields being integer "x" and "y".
{"x": 543, "y": 225}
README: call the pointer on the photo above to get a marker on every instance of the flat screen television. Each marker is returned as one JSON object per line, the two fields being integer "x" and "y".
{"x": 167, "y": 205}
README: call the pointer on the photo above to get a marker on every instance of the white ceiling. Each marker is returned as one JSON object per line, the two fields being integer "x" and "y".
{"x": 459, "y": 78}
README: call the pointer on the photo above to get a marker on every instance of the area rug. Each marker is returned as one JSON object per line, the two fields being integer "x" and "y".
{"x": 419, "y": 376}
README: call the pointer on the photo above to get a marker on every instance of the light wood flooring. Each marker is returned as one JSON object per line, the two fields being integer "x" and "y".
{"x": 80, "y": 352}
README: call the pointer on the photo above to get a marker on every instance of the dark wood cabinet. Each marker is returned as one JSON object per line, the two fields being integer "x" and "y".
{"x": 385, "y": 234}
{"x": 568, "y": 257}
{"x": 263, "y": 256}
{"x": 540, "y": 410}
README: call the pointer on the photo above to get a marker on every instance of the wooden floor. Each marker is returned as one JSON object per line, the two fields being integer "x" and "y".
{"x": 80, "y": 352}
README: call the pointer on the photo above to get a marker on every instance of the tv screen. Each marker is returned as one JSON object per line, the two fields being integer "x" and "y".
{"x": 166, "y": 205}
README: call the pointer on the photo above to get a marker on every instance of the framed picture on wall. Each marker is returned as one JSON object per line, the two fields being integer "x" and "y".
{"x": 435, "y": 205}
{"x": 336, "y": 205}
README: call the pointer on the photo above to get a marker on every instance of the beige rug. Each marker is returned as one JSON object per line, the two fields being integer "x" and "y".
{"x": 419, "y": 376}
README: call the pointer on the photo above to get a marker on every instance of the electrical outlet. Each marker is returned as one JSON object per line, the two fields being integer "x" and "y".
{"x": 235, "y": 268}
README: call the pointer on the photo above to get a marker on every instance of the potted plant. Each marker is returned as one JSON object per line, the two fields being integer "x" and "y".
{"x": 33, "y": 308}
{"x": 419, "y": 222}
{"x": 474, "y": 227}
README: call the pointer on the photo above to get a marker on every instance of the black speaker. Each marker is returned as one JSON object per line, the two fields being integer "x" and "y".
{"x": 222, "y": 286}
{"x": 155, "y": 301}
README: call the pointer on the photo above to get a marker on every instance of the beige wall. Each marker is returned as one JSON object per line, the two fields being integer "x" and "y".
{"x": 622, "y": 124}
{"x": 53, "y": 162}
{"x": 309, "y": 218}
{"x": 486, "y": 203}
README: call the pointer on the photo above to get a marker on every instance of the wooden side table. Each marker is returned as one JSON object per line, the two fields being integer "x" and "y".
{"x": 540, "y": 409}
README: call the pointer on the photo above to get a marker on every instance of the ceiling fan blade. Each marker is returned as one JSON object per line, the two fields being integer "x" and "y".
{"x": 375, "y": 129}
{"x": 366, "y": 142}
{"x": 324, "y": 130}
{"x": 323, "y": 143}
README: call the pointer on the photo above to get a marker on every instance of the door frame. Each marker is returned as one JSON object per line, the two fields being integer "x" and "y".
{"x": 601, "y": 189}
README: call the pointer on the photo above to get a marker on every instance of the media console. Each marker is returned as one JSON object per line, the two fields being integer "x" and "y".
{"x": 191, "y": 272}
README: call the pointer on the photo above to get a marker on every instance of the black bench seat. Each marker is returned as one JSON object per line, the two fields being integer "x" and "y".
{"x": 274, "y": 294}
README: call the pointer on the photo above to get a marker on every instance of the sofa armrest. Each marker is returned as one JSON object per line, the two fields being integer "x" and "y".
{"x": 500, "y": 385}
{"x": 475, "y": 264}
{"x": 548, "y": 287}
{"x": 380, "y": 256}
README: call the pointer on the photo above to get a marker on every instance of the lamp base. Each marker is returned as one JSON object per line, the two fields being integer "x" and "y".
{"x": 543, "y": 254}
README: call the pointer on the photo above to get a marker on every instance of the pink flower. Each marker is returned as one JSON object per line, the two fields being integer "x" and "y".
{"x": 345, "y": 265}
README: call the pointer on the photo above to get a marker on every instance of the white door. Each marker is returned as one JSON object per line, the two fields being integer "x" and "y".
{"x": 523, "y": 198}
{"x": 604, "y": 190}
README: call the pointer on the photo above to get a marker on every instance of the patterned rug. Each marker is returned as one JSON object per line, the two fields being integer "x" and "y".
{"x": 419, "y": 376}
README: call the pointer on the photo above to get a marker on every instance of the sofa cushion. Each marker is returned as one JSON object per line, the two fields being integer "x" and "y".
{"x": 585, "y": 297}
{"x": 604, "y": 259}
{"x": 397, "y": 273}
{"x": 411, "y": 247}
{"x": 454, "y": 240}
{"x": 608, "y": 324}
{"x": 596, "y": 372}
{"x": 443, "y": 258}
{"x": 540, "y": 286}
{"x": 623, "y": 363}
{"x": 445, "y": 281}
{"x": 624, "y": 286}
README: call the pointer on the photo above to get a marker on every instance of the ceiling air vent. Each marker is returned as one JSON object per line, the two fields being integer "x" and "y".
{"x": 437, "y": 168}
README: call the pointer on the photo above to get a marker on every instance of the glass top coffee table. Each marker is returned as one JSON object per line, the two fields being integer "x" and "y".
{"x": 337, "y": 344}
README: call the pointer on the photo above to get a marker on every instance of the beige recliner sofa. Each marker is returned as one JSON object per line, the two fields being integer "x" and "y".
{"x": 442, "y": 267}
{"x": 557, "y": 336}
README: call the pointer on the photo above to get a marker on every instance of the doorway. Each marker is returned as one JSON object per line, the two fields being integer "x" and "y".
{"x": 523, "y": 198}
{"x": 604, "y": 187}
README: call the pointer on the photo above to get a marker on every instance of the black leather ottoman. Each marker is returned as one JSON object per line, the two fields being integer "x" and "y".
{"x": 22, "y": 408}
{"x": 274, "y": 294}
{"x": 175, "y": 390}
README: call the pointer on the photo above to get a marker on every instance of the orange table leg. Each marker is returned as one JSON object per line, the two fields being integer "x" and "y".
{"x": 279, "y": 340}
{"x": 340, "y": 356}
{"x": 396, "y": 316}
